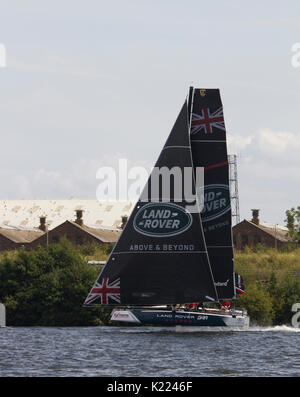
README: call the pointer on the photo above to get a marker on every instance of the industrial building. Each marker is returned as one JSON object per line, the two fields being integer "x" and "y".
{"x": 251, "y": 233}
{"x": 30, "y": 223}
{"x": 12, "y": 238}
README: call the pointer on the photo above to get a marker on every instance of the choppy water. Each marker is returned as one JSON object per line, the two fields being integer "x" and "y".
{"x": 148, "y": 351}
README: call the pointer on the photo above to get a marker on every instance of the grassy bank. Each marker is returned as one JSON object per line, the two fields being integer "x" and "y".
{"x": 272, "y": 282}
{"x": 48, "y": 286}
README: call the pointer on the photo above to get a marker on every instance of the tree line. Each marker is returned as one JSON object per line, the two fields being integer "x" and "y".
{"x": 47, "y": 286}
{"x": 293, "y": 223}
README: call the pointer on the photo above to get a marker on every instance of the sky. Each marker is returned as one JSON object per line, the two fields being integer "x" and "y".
{"x": 87, "y": 83}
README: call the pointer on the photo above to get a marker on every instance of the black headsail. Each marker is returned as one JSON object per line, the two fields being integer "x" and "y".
{"x": 161, "y": 256}
{"x": 209, "y": 150}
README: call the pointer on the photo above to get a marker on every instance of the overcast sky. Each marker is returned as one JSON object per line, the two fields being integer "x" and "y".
{"x": 88, "y": 82}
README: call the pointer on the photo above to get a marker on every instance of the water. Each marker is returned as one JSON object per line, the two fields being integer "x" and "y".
{"x": 148, "y": 351}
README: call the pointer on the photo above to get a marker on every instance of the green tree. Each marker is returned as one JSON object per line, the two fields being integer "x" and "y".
{"x": 47, "y": 286}
{"x": 276, "y": 292}
{"x": 258, "y": 303}
{"x": 293, "y": 223}
{"x": 290, "y": 294}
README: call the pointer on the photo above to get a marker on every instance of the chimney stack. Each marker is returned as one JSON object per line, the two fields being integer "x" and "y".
{"x": 255, "y": 216}
{"x": 79, "y": 219}
{"x": 43, "y": 226}
{"x": 124, "y": 221}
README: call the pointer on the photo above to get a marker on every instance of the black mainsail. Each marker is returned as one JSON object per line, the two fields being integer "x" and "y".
{"x": 161, "y": 255}
{"x": 209, "y": 150}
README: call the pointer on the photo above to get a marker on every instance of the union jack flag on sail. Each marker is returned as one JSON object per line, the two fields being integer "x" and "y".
{"x": 105, "y": 291}
{"x": 206, "y": 120}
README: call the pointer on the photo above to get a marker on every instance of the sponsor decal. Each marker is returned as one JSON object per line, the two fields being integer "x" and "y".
{"x": 221, "y": 284}
{"x": 164, "y": 315}
{"x": 162, "y": 247}
{"x": 162, "y": 220}
{"x": 120, "y": 315}
{"x": 216, "y": 202}
{"x": 201, "y": 317}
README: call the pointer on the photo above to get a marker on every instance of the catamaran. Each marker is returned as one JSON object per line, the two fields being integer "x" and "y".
{"x": 175, "y": 255}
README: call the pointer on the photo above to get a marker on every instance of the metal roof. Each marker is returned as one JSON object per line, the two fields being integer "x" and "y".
{"x": 20, "y": 236}
{"x": 274, "y": 226}
{"x": 106, "y": 236}
{"x": 25, "y": 214}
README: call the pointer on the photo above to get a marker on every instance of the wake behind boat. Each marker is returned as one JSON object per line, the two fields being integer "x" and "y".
{"x": 146, "y": 277}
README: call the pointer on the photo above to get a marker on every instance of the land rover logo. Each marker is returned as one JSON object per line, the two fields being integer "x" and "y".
{"x": 162, "y": 220}
{"x": 216, "y": 202}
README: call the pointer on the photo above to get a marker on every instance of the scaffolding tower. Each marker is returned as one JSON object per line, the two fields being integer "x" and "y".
{"x": 233, "y": 186}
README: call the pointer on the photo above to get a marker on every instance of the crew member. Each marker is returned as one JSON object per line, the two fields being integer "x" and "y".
{"x": 192, "y": 306}
{"x": 225, "y": 305}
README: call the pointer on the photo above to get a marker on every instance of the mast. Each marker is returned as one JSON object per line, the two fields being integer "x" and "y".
{"x": 190, "y": 105}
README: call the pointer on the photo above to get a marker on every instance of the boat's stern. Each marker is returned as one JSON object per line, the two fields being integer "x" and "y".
{"x": 238, "y": 321}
